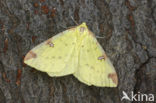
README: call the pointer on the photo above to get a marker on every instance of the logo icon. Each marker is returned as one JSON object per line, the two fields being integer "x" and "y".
{"x": 137, "y": 97}
{"x": 125, "y": 96}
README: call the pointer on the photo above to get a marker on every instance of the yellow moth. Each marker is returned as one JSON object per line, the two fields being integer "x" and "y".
{"x": 74, "y": 51}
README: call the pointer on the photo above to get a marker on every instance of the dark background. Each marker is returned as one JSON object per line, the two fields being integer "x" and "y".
{"x": 129, "y": 31}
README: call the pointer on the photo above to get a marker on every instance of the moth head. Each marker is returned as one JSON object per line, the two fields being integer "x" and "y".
{"x": 82, "y": 29}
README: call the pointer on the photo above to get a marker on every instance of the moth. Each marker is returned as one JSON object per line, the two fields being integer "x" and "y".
{"x": 74, "y": 51}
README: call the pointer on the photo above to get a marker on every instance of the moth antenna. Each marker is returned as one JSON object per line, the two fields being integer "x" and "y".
{"x": 64, "y": 27}
{"x": 100, "y": 37}
{"x": 74, "y": 20}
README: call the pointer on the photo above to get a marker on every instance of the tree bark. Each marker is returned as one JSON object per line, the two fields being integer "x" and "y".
{"x": 128, "y": 28}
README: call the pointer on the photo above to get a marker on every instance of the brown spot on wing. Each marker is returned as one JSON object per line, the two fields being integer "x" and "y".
{"x": 114, "y": 77}
{"x": 105, "y": 56}
{"x": 49, "y": 42}
{"x": 30, "y": 55}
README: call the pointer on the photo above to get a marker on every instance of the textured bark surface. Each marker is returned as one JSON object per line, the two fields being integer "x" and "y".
{"x": 129, "y": 31}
